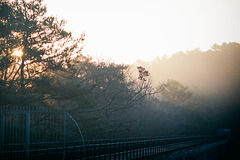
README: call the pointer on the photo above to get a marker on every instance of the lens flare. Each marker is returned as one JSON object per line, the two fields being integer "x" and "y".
{"x": 18, "y": 53}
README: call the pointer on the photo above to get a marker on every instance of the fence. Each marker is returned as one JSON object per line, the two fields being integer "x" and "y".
{"x": 35, "y": 131}
{"x": 51, "y": 133}
{"x": 140, "y": 148}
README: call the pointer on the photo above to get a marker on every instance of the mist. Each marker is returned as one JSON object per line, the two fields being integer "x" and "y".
{"x": 211, "y": 76}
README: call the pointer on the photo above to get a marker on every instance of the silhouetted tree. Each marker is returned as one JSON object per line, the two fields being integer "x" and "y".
{"x": 45, "y": 45}
{"x": 143, "y": 73}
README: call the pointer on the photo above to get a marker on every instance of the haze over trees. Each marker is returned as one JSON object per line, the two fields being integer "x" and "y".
{"x": 210, "y": 81}
{"x": 192, "y": 92}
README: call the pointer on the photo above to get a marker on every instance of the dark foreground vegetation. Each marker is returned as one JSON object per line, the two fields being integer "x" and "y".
{"x": 191, "y": 93}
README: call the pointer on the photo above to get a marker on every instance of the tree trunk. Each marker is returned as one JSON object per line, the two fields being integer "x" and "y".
{"x": 22, "y": 75}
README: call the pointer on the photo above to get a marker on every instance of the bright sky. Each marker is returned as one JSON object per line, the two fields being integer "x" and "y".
{"x": 127, "y": 30}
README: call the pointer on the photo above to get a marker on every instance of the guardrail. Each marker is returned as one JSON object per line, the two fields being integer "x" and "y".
{"x": 141, "y": 148}
{"x": 117, "y": 149}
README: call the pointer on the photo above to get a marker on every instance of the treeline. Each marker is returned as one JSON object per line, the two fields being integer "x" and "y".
{"x": 110, "y": 100}
{"x": 211, "y": 80}
{"x": 215, "y": 69}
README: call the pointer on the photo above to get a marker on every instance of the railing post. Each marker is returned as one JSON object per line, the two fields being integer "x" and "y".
{"x": 2, "y": 134}
{"x": 27, "y": 135}
{"x": 64, "y": 136}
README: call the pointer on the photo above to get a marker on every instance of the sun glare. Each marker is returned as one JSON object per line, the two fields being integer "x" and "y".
{"x": 17, "y": 53}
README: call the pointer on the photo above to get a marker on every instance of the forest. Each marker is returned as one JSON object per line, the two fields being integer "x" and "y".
{"x": 190, "y": 93}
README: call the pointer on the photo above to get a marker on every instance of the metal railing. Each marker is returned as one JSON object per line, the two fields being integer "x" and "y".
{"x": 50, "y": 133}
{"x": 29, "y": 130}
{"x": 139, "y": 148}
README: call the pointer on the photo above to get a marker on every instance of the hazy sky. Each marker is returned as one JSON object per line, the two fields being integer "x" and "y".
{"x": 126, "y": 30}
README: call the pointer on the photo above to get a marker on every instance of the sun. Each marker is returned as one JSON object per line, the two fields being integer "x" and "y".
{"x": 18, "y": 53}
